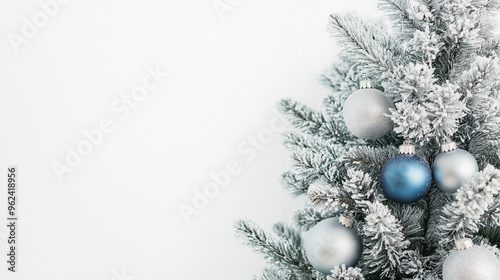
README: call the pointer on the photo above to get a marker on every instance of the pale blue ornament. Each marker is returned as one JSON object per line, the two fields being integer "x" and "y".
{"x": 453, "y": 167}
{"x": 332, "y": 242}
{"x": 406, "y": 177}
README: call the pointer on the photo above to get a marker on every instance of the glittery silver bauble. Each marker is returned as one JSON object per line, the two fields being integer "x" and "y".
{"x": 365, "y": 113}
{"x": 452, "y": 169}
{"x": 329, "y": 244}
{"x": 476, "y": 263}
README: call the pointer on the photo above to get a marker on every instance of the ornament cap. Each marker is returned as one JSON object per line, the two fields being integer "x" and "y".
{"x": 448, "y": 146}
{"x": 464, "y": 243}
{"x": 407, "y": 148}
{"x": 366, "y": 84}
{"x": 347, "y": 219}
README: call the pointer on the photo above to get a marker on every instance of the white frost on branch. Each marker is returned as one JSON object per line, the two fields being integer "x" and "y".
{"x": 325, "y": 197}
{"x": 472, "y": 201}
{"x": 384, "y": 240}
{"x": 343, "y": 273}
{"x": 426, "y": 110}
{"x": 361, "y": 187}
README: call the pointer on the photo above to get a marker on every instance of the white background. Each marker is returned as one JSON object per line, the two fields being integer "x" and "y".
{"x": 119, "y": 208}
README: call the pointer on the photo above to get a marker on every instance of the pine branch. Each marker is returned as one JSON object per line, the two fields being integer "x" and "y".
{"x": 301, "y": 116}
{"x": 411, "y": 218}
{"x": 274, "y": 274}
{"x": 465, "y": 26}
{"x": 341, "y": 78}
{"x": 326, "y": 197}
{"x": 315, "y": 144}
{"x": 437, "y": 200}
{"x": 312, "y": 122}
{"x": 472, "y": 201}
{"x": 425, "y": 110}
{"x": 369, "y": 47}
{"x": 343, "y": 273}
{"x": 412, "y": 265}
{"x": 368, "y": 159}
{"x": 398, "y": 12}
{"x": 293, "y": 184}
{"x": 288, "y": 232}
{"x": 309, "y": 166}
{"x": 479, "y": 87}
{"x": 305, "y": 219}
{"x": 278, "y": 251}
{"x": 362, "y": 189}
{"x": 384, "y": 242}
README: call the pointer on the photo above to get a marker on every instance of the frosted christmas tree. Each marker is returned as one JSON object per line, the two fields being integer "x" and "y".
{"x": 401, "y": 168}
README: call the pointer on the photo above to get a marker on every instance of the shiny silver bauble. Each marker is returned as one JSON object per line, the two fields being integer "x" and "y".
{"x": 453, "y": 169}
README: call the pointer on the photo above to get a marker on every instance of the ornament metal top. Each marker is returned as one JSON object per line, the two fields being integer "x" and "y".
{"x": 463, "y": 243}
{"x": 366, "y": 112}
{"x": 407, "y": 148}
{"x": 347, "y": 220}
{"x": 406, "y": 177}
{"x": 454, "y": 167}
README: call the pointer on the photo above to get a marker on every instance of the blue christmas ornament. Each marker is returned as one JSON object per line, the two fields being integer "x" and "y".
{"x": 406, "y": 177}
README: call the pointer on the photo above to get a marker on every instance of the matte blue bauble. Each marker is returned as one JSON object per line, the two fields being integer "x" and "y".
{"x": 406, "y": 178}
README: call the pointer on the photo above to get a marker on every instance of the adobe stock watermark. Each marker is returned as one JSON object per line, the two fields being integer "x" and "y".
{"x": 122, "y": 275}
{"x": 221, "y": 179}
{"x": 224, "y": 7}
{"x": 120, "y": 108}
{"x": 31, "y": 26}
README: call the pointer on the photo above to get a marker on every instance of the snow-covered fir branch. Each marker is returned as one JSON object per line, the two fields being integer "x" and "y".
{"x": 426, "y": 110}
{"x": 368, "y": 159}
{"x": 371, "y": 54}
{"x": 326, "y": 197}
{"x": 279, "y": 251}
{"x": 307, "y": 218}
{"x": 384, "y": 242}
{"x": 401, "y": 14}
{"x": 309, "y": 166}
{"x": 275, "y": 274}
{"x": 288, "y": 232}
{"x": 294, "y": 140}
{"x": 309, "y": 121}
{"x": 362, "y": 189}
{"x": 343, "y": 273}
{"x": 341, "y": 79}
{"x": 412, "y": 219}
{"x": 472, "y": 201}
{"x": 293, "y": 184}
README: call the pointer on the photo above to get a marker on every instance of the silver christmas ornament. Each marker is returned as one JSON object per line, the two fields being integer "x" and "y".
{"x": 333, "y": 242}
{"x": 365, "y": 112}
{"x": 471, "y": 263}
{"x": 453, "y": 167}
